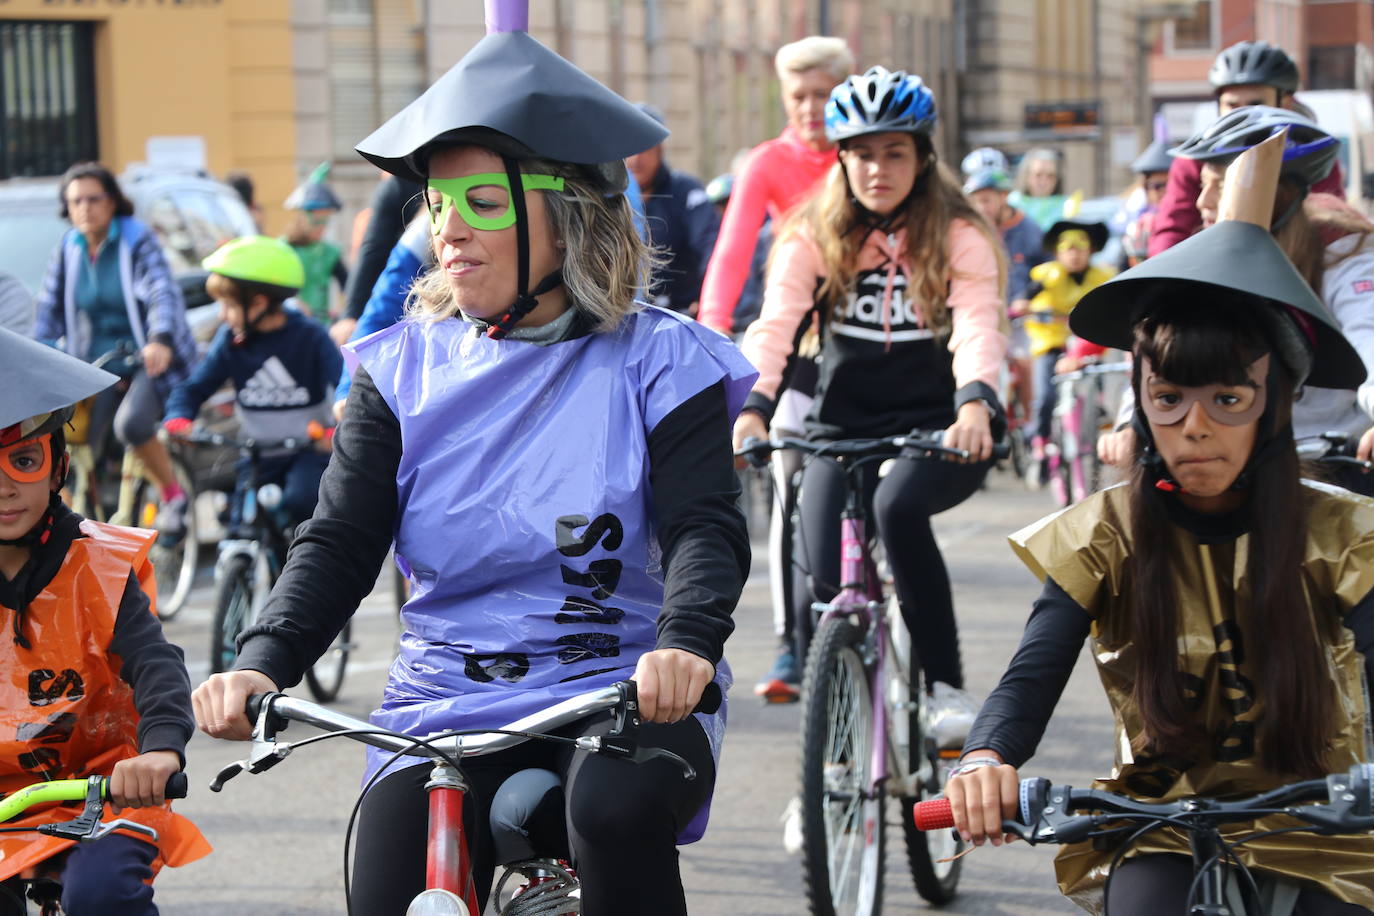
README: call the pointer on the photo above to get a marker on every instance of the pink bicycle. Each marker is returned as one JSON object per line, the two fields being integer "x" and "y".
{"x": 863, "y": 739}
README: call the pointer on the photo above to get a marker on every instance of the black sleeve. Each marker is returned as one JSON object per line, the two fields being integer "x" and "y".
{"x": 701, "y": 530}
{"x": 340, "y": 273}
{"x": 156, "y": 670}
{"x": 1360, "y": 621}
{"x": 338, "y": 554}
{"x": 1014, "y": 717}
{"x": 393, "y": 204}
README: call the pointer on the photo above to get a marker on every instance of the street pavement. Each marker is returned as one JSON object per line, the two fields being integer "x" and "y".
{"x": 279, "y": 836}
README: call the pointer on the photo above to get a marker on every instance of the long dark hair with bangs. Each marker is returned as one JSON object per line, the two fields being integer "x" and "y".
{"x": 1200, "y": 346}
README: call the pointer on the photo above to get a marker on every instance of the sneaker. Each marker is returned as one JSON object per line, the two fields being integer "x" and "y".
{"x": 171, "y": 520}
{"x": 791, "y": 821}
{"x": 949, "y": 715}
{"x": 782, "y": 683}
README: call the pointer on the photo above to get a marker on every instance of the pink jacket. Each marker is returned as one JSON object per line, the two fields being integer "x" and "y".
{"x": 976, "y": 340}
{"x": 777, "y": 176}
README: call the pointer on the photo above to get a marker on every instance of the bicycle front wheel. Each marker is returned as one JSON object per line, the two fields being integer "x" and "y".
{"x": 842, "y": 818}
{"x": 325, "y": 677}
{"x": 233, "y": 612}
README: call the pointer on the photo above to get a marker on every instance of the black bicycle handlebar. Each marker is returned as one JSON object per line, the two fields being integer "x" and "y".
{"x": 931, "y": 442}
{"x": 201, "y": 437}
{"x": 1049, "y": 813}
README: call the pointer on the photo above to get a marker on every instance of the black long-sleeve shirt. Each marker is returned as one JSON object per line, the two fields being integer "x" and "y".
{"x": 153, "y": 667}
{"x": 338, "y": 554}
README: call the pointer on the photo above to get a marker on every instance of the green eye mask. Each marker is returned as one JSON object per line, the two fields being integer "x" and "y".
{"x": 483, "y": 201}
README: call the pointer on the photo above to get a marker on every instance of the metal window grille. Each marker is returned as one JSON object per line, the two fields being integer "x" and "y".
{"x": 47, "y": 97}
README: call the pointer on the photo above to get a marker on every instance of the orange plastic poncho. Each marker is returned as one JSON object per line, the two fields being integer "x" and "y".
{"x": 64, "y": 711}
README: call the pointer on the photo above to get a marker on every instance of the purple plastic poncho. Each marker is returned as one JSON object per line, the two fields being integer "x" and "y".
{"x": 524, "y": 480}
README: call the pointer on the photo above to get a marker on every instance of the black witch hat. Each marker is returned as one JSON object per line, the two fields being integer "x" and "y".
{"x": 1227, "y": 261}
{"x": 37, "y": 380}
{"x": 1096, "y": 232}
{"x": 510, "y": 87}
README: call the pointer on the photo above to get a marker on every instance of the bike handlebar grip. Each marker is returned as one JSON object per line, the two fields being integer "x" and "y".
{"x": 710, "y": 700}
{"x": 935, "y": 814}
{"x": 253, "y": 705}
{"x": 177, "y": 785}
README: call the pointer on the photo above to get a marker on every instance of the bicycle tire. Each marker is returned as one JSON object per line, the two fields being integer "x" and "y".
{"x": 325, "y": 678}
{"x": 176, "y": 566}
{"x": 839, "y": 818}
{"x": 233, "y": 612}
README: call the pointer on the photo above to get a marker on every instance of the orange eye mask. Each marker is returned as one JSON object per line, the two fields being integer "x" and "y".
{"x": 29, "y": 461}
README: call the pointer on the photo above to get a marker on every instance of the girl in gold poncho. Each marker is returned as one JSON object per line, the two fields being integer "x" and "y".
{"x": 1228, "y": 601}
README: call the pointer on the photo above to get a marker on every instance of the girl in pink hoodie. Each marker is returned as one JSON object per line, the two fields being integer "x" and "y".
{"x": 897, "y": 281}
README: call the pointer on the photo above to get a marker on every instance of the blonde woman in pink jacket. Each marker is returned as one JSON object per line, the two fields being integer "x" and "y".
{"x": 898, "y": 281}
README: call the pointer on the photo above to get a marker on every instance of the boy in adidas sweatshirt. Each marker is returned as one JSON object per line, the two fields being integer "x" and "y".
{"x": 282, "y": 363}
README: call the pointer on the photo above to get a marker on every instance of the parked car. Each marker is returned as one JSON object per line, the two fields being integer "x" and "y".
{"x": 191, "y": 213}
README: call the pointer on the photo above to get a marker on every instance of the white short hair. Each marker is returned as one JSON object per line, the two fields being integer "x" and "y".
{"x": 830, "y": 54}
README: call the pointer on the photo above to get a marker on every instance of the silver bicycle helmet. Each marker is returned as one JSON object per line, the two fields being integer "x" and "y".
{"x": 1309, "y": 152}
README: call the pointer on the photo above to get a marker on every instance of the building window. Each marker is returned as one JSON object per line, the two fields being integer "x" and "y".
{"x": 1331, "y": 68}
{"x": 1195, "y": 33}
{"x": 47, "y": 97}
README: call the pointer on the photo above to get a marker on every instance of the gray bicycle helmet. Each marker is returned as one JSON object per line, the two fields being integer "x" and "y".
{"x": 1254, "y": 63}
{"x": 1308, "y": 155}
{"x": 879, "y": 101}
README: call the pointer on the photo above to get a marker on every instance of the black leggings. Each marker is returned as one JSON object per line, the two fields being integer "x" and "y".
{"x": 902, "y": 504}
{"x": 623, "y": 820}
{"x": 1150, "y": 885}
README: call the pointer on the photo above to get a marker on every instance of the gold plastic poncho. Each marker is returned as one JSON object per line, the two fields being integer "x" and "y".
{"x": 1084, "y": 549}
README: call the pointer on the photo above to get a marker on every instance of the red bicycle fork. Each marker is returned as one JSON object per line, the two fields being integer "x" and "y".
{"x": 447, "y": 866}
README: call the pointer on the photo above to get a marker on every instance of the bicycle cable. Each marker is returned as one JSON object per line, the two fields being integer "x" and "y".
{"x": 551, "y": 897}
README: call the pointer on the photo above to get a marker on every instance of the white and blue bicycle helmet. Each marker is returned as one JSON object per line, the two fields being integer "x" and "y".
{"x": 879, "y": 101}
{"x": 985, "y": 159}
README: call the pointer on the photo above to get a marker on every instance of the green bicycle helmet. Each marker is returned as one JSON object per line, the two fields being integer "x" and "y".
{"x": 259, "y": 259}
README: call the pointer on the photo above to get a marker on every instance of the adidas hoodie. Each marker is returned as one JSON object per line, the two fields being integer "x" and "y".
{"x": 282, "y": 379}
{"x": 882, "y": 371}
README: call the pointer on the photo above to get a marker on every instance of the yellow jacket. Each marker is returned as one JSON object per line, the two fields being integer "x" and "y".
{"x": 1048, "y": 323}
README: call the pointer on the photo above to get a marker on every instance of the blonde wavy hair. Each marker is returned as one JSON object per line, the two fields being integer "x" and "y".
{"x": 838, "y": 229}
{"x": 605, "y": 262}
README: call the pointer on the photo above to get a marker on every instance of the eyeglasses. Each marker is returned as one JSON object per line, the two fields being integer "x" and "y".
{"x": 28, "y": 461}
{"x": 483, "y": 200}
{"x": 318, "y": 217}
{"x": 86, "y": 200}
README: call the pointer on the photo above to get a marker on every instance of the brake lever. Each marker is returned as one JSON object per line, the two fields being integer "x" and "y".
{"x": 628, "y": 750}
{"x": 265, "y": 751}
{"x": 87, "y": 826}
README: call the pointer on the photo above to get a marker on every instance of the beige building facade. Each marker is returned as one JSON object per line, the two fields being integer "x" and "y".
{"x": 1064, "y": 74}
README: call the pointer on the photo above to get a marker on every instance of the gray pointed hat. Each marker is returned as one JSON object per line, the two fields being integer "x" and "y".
{"x": 510, "y": 87}
{"x": 36, "y": 379}
{"x": 1230, "y": 260}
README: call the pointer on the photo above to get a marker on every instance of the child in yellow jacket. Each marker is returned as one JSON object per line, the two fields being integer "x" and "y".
{"x": 1056, "y": 287}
